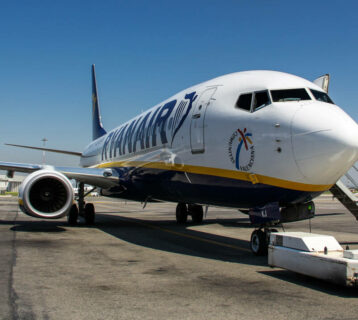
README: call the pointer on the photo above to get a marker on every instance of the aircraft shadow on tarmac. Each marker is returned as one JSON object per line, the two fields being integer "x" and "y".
{"x": 34, "y": 226}
{"x": 167, "y": 235}
{"x": 164, "y": 235}
{"x": 329, "y": 214}
{"x": 42, "y": 227}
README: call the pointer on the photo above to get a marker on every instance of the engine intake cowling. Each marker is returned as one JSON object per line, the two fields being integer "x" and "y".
{"x": 46, "y": 194}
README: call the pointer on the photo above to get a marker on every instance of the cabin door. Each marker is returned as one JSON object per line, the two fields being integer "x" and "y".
{"x": 197, "y": 125}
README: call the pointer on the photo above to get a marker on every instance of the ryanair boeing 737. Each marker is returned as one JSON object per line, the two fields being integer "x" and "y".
{"x": 264, "y": 142}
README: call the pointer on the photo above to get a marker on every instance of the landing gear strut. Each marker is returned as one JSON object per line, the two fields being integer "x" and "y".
{"x": 183, "y": 211}
{"x": 260, "y": 240}
{"x": 85, "y": 210}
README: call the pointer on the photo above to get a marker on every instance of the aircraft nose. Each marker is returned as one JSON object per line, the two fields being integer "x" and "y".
{"x": 325, "y": 142}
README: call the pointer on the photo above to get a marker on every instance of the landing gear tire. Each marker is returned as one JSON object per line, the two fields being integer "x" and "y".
{"x": 89, "y": 213}
{"x": 258, "y": 243}
{"x": 72, "y": 217}
{"x": 196, "y": 213}
{"x": 181, "y": 213}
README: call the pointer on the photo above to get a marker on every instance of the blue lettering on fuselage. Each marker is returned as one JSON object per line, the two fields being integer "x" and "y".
{"x": 191, "y": 96}
{"x": 161, "y": 121}
{"x": 127, "y": 137}
{"x": 105, "y": 146}
{"x": 150, "y": 128}
{"x": 140, "y": 133}
{"x": 124, "y": 139}
{"x": 118, "y": 141}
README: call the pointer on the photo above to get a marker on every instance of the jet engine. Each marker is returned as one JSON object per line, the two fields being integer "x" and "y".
{"x": 46, "y": 194}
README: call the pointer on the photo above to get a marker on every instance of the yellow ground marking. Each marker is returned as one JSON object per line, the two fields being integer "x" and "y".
{"x": 189, "y": 236}
{"x": 184, "y": 235}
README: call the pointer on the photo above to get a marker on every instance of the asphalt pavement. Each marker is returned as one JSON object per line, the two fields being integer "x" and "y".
{"x": 138, "y": 263}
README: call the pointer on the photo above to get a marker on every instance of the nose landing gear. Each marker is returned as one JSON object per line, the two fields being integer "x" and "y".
{"x": 259, "y": 241}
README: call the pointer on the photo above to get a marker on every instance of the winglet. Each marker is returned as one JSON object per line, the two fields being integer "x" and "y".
{"x": 97, "y": 127}
{"x": 323, "y": 82}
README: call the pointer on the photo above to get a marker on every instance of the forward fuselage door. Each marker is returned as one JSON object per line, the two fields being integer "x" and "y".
{"x": 197, "y": 125}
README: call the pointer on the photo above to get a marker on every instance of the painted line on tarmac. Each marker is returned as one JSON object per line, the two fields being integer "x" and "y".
{"x": 181, "y": 234}
{"x": 104, "y": 202}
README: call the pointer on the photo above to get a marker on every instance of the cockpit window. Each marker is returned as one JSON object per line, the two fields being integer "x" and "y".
{"x": 244, "y": 101}
{"x": 261, "y": 99}
{"x": 257, "y": 100}
{"x": 321, "y": 96}
{"x": 289, "y": 95}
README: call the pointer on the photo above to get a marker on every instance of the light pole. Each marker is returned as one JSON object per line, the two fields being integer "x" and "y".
{"x": 44, "y": 140}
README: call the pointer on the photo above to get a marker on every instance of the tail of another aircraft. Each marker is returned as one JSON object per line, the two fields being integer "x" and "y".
{"x": 97, "y": 127}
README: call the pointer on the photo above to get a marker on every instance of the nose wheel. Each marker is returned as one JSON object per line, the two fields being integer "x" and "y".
{"x": 259, "y": 241}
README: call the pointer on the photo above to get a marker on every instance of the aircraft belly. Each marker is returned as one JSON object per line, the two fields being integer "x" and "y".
{"x": 178, "y": 186}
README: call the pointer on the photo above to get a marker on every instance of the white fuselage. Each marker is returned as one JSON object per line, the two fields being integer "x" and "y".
{"x": 200, "y": 140}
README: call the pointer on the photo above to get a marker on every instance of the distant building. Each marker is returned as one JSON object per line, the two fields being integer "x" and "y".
{"x": 10, "y": 184}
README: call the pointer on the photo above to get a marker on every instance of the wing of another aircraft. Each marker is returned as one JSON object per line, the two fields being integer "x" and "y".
{"x": 72, "y": 153}
{"x": 104, "y": 178}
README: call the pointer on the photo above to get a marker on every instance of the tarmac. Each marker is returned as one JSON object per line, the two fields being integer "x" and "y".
{"x": 138, "y": 263}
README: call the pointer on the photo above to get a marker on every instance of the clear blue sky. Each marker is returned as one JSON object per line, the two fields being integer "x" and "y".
{"x": 145, "y": 51}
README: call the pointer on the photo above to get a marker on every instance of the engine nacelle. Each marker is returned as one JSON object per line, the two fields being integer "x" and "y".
{"x": 46, "y": 194}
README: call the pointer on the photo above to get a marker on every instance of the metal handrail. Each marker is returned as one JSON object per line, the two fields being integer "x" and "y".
{"x": 349, "y": 177}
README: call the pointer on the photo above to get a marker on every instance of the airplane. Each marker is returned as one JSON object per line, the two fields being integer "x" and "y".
{"x": 264, "y": 142}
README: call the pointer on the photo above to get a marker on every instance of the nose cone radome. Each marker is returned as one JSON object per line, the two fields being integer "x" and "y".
{"x": 325, "y": 142}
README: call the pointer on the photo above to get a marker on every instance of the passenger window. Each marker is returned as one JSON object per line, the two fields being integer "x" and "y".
{"x": 244, "y": 101}
{"x": 261, "y": 100}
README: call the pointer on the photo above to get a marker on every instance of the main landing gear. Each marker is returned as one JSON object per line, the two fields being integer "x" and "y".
{"x": 85, "y": 210}
{"x": 260, "y": 240}
{"x": 195, "y": 211}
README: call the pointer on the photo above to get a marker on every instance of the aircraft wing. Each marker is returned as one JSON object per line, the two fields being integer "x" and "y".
{"x": 104, "y": 178}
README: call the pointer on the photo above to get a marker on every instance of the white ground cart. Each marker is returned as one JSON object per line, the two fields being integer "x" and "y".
{"x": 315, "y": 255}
